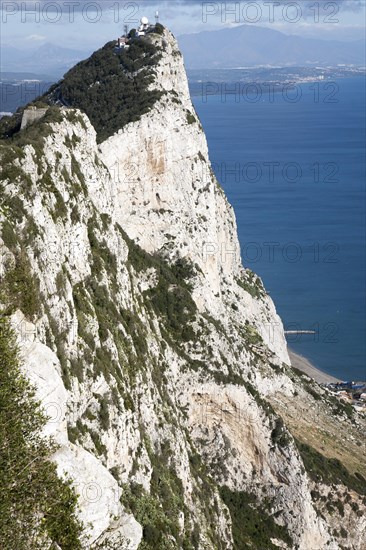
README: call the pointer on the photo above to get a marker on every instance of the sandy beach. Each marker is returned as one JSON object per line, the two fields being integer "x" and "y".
{"x": 301, "y": 363}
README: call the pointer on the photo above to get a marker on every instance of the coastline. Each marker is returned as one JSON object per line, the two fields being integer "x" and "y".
{"x": 301, "y": 363}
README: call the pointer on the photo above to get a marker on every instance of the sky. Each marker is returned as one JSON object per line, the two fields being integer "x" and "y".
{"x": 85, "y": 25}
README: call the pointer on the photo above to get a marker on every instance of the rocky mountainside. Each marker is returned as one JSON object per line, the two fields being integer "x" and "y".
{"x": 158, "y": 358}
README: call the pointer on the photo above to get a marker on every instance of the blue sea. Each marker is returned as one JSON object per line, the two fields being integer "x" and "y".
{"x": 293, "y": 167}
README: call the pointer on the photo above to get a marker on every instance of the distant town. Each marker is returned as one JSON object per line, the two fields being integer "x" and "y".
{"x": 271, "y": 78}
{"x": 349, "y": 392}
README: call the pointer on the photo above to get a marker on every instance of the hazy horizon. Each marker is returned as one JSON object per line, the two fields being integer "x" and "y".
{"x": 86, "y": 25}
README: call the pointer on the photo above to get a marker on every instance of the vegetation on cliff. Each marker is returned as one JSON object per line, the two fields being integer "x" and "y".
{"x": 329, "y": 470}
{"x": 253, "y": 525}
{"x": 36, "y": 506}
{"x": 112, "y": 86}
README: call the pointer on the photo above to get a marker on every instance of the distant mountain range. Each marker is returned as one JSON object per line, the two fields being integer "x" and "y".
{"x": 242, "y": 46}
{"x": 250, "y": 46}
{"x": 48, "y": 59}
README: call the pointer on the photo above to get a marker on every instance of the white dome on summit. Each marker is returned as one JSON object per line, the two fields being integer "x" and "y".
{"x": 144, "y": 21}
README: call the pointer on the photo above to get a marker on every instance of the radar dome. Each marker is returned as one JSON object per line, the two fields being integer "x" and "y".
{"x": 144, "y": 21}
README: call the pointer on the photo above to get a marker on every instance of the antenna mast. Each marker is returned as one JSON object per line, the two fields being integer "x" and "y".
{"x": 156, "y": 17}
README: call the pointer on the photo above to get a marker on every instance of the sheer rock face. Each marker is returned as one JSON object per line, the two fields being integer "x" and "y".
{"x": 168, "y": 200}
{"x": 125, "y": 395}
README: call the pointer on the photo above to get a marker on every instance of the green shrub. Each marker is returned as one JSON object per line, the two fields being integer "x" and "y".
{"x": 104, "y": 413}
{"x": 10, "y": 171}
{"x": 183, "y": 269}
{"x": 252, "y": 284}
{"x": 9, "y": 125}
{"x": 60, "y": 283}
{"x": 100, "y": 448}
{"x": 77, "y": 368}
{"x": 76, "y": 171}
{"x": 159, "y": 28}
{"x": 8, "y": 235}
{"x": 82, "y": 300}
{"x": 34, "y": 502}
{"x": 176, "y": 307}
{"x": 252, "y": 524}
{"x": 279, "y": 435}
{"x": 159, "y": 511}
{"x": 251, "y": 335}
{"x": 329, "y": 470}
{"x": 191, "y": 119}
{"x": 20, "y": 288}
{"x": 343, "y": 533}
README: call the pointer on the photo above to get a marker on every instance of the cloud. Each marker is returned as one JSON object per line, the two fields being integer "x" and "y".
{"x": 36, "y": 37}
{"x": 340, "y": 5}
{"x": 65, "y": 6}
{"x": 344, "y": 5}
{"x": 181, "y": 16}
{"x": 77, "y": 5}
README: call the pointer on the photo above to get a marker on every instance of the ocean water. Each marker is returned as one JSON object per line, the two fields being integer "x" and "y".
{"x": 293, "y": 167}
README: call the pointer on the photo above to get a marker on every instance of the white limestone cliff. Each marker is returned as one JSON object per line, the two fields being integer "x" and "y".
{"x": 167, "y": 198}
{"x": 153, "y": 178}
